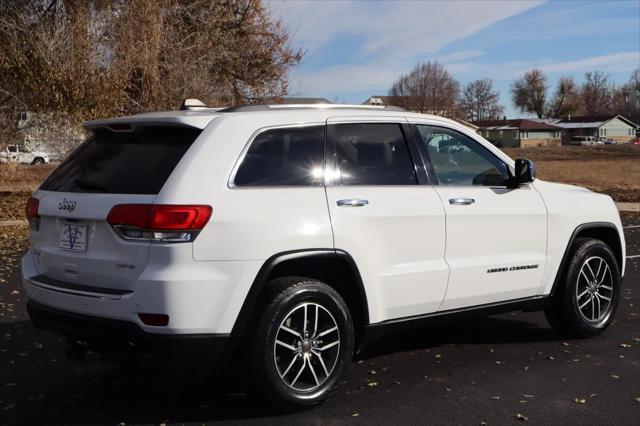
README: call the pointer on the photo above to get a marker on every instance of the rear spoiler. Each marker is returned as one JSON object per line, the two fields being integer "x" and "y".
{"x": 187, "y": 119}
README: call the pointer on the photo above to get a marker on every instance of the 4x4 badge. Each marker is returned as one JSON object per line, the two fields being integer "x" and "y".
{"x": 67, "y": 205}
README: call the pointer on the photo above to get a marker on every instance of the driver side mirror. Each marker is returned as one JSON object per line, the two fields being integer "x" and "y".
{"x": 525, "y": 172}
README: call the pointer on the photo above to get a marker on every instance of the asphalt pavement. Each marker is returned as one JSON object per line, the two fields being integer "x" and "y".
{"x": 505, "y": 369}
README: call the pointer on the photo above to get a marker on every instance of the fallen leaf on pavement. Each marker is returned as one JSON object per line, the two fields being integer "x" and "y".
{"x": 579, "y": 400}
{"x": 521, "y": 417}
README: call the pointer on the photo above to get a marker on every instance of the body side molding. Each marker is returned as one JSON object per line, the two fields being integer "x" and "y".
{"x": 377, "y": 330}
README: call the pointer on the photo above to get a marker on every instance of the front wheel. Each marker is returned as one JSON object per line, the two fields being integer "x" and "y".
{"x": 37, "y": 161}
{"x": 587, "y": 298}
{"x": 303, "y": 343}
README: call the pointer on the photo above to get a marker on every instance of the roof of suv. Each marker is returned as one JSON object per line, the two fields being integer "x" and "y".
{"x": 201, "y": 117}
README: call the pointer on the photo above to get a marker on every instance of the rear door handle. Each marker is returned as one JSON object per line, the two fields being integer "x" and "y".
{"x": 353, "y": 202}
{"x": 460, "y": 201}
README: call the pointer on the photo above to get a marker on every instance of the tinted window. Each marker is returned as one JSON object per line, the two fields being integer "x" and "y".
{"x": 372, "y": 154}
{"x": 459, "y": 160}
{"x": 13, "y": 149}
{"x": 284, "y": 157}
{"x": 137, "y": 162}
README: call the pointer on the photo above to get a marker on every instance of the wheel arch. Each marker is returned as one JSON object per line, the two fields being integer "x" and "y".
{"x": 604, "y": 231}
{"x": 334, "y": 267}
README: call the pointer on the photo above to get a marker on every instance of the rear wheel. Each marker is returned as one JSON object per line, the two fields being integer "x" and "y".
{"x": 587, "y": 298}
{"x": 303, "y": 343}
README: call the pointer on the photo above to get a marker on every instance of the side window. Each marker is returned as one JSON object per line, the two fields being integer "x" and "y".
{"x": 284, "y": 157}
{"x": 459, "y": 160}
{"x": 13, "y": 148}
{"x": 372, "y": 154}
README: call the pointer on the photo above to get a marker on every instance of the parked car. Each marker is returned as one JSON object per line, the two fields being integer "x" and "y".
{"x": 606, "y": 141}
{"x": 19, "y": 154}
{"x": 285, "y": 238}
{"x": 635, "y": 141}
{"x": 584, "y": 140}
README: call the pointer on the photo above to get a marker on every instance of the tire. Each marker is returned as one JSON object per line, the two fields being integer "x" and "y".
{"x": 579, "y": 307}
{"x": 290, "y": 374}
{"x": 38, "y": 161}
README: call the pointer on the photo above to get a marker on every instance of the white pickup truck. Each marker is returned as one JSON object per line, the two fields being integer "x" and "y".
{"x": 19, "y": 154}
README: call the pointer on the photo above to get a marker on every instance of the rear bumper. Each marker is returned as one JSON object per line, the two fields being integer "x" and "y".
{"x": 109, "y": 335}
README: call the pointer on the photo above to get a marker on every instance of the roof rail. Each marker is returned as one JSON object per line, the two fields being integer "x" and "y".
{"x": 287, "y": 107}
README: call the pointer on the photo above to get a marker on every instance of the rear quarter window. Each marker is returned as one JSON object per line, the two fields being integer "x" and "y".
{"x": 291, "y": 156}
{"x": 132, "y": 162}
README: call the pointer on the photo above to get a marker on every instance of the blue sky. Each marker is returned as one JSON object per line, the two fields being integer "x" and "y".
{"x": 358, "y": 48}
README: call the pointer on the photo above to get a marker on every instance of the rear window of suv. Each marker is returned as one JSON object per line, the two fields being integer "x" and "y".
{"x": 130, "y": 162}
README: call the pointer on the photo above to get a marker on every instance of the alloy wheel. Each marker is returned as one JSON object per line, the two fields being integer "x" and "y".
{"x": 594, "y": 290}
{"x": 306, "y": 347}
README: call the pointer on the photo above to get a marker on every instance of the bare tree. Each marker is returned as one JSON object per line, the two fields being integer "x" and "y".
{"x": 479, "y": 101}
{"x": 566, "y": 99}
{"x": 101, "y": 57}
{"x": 596, "y": 93}
{"x": 626, "y": 98}
{"x": 529, "y": 92}
{"x": 428, "y": 88}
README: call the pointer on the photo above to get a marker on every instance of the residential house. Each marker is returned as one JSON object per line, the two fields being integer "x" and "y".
{"x": 522, "y": 133}
{"x": 612, "y": 127}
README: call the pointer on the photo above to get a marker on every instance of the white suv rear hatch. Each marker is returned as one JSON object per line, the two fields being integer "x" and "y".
{"x": 74, "y": 247}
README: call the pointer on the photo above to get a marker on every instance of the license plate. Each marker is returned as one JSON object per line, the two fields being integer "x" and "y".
{"x": 73, "y": 237}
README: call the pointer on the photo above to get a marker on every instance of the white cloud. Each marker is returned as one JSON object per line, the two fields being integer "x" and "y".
{"x": 615, "y": 62}
{"x": 402, "y": 28}
{"x": 346, "y": 78}
{"x": 464, "y": 55}
{"x": 391, "y": 36}
{"x": 611, "y": 63}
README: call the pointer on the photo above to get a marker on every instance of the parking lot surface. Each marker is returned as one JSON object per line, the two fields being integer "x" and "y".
{"x": 505, "y": 369}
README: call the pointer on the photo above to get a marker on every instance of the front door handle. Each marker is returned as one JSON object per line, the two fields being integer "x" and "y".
{"x": 460, "y": 201}
{"x": 352, "y": 202}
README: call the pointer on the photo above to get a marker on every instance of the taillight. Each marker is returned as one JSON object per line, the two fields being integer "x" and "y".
{"x": 31, "y": 211}
{"x": 159, "y": 223}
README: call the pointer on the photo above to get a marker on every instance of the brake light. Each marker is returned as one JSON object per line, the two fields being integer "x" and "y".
{"x": 31, "y": 210}
{"x": 159, "y": 222}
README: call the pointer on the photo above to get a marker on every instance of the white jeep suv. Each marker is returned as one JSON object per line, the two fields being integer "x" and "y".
{"x": 292, "y": 235}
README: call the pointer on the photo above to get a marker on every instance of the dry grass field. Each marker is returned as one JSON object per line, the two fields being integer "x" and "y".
{"x": 611, "y": 169}
{"x": 23, "y": 177}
